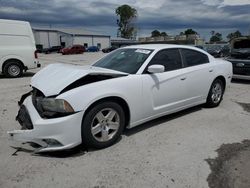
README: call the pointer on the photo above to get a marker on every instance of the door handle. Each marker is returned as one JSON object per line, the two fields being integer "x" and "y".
{"x": 184, "y": 78}
{"x": 211, "y": 70}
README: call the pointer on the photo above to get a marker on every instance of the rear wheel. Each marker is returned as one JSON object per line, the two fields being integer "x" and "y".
{"x": 215, "y": 94}
{"x": 13, "y": 69}
{"x": 103, "y": 125}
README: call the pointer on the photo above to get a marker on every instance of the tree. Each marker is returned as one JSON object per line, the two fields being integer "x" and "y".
{"x": 155, "y": 33}
{"x": 190, "y": 32}
{"x": 164, "y": 34}
{"x": 125, "y": 23}
{"x": 236, "y": 34}
{"x": 216, "y": 37}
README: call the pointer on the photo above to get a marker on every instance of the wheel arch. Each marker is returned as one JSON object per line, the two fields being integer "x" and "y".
{"x": 118, "y": 100}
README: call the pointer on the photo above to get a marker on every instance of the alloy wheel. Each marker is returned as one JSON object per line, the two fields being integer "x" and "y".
{"x": 105, "y": 124}
{"x": 216, "y": 92}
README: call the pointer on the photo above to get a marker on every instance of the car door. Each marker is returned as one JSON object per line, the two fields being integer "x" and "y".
{"x": 199, "y": 74}
{"x": 76, "y": 49}
{"x": 163, "y": 92}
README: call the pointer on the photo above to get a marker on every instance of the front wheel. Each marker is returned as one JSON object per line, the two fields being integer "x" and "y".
{"x": 215, "y": 94}
{"x": 103, "y": 125}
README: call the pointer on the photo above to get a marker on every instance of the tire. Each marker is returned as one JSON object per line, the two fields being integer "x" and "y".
{"x": 215, "y": 94}
{"x": 102, "y": 125}
{"x": 13, "y": 69}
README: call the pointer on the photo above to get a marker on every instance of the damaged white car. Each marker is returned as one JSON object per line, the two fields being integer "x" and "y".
{"x": 70, "y": 105}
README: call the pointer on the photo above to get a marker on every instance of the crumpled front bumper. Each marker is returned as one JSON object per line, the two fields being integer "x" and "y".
{"x": 50, "y": 134}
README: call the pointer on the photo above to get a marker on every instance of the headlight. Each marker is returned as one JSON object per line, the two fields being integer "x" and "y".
{"x": 56, "y": 105}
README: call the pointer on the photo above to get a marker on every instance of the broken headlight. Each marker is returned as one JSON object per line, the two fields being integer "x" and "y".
{"x": 52, "y": 106}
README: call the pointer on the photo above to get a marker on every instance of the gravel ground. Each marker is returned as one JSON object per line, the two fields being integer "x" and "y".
{"x": 171, "y": 151}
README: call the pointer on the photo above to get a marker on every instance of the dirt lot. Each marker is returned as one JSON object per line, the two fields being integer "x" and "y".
{"x": 169, "y": 152}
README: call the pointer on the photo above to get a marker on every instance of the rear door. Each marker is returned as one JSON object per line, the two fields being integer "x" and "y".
{"x": 199, "y": 74}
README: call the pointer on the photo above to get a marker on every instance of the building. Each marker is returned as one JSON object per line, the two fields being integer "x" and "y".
{"x": 48, "y": 37}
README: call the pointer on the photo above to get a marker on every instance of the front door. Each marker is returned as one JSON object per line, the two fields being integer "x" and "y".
{"x": 165, "y": 91}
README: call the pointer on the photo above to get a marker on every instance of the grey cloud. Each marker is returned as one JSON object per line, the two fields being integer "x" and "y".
{"x": 172, "y": 15}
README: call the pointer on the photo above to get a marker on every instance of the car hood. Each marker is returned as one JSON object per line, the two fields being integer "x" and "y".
{"x": 52, "y": 79}
{"x": 64, "y": 49}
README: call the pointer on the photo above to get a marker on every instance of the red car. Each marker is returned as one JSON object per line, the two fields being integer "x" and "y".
{"x": 75, "y": 49}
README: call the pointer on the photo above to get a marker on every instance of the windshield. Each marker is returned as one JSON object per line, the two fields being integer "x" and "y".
{"x": 127, "y": 60}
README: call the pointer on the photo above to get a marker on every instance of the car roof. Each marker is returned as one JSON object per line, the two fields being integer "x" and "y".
{"x": 160, "y": 46}
{"x": 166, "y": 46}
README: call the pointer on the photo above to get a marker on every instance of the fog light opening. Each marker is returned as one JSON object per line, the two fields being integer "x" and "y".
{"x": 52, "y": 142}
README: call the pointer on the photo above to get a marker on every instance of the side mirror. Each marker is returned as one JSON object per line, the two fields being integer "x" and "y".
{"x": 156, "y": 69}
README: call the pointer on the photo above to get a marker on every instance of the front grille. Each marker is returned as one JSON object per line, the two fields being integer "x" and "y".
{"x": 243, "y": 70}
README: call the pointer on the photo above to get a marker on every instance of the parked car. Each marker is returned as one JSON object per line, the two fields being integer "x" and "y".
{"x": 218, "y": 51}
{"x": 109, "y": 49}
{"x": 241, "y": 48}
{"x": 75, "y": 49}
{"x": 240, "y": 57}
{"x": 241, "y": 68}
{"x": 52, "y": 49}
{"x": 17, "y": 48}
{"x": 93, "y": 49}
{"x": 71, "y": 104}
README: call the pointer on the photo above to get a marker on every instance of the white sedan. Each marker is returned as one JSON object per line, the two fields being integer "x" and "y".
{"x": 71, "y": 105}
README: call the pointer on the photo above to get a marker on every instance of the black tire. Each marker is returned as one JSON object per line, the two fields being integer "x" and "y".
{"x": 215, "y": 96}
{"x": 13, "y": 69}
{"x": 90, "y": 119}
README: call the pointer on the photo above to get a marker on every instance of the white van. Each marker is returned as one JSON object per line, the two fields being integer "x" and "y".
{"x": 17, "y": 48}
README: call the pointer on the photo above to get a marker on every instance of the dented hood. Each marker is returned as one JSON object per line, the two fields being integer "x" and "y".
{"x": 52, "y": 79}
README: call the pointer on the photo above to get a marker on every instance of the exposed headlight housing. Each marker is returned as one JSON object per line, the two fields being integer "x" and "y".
{"x": 56, "y": 105}
{"x": 53, "y": 108}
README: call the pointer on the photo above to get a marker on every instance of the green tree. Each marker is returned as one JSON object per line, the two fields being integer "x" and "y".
{"x": 236, "y": 34}
{"x": 155, "y": 33}
{"x": 127, "y": 15}
{"x": 190, "y": 32}
{"x": 216, "y": 37}
{"x": 164, "y": 34}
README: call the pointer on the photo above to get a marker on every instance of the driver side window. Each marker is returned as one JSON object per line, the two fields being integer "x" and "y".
{"x": 169, "y": 58}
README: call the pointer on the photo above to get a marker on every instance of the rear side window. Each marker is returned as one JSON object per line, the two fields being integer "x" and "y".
{"x": 192, "y": 57}
{"x": 169, "y": 58}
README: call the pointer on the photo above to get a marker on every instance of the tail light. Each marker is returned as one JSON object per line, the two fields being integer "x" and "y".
{"x": 35, "y": 54}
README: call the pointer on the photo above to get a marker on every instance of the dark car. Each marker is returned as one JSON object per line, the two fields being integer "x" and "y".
{"x": 241, "y": 48}
{"x": 75, "y": 49}
{"x": 240, "y": 57}
{"x": 109, "y": 49}
{"x": 214, "y": 52}
{"x": 218, "y": 51}
{"x": 52, "y": 49}
{"x": 241, "y": 68}
{"x": 93, "y": 49}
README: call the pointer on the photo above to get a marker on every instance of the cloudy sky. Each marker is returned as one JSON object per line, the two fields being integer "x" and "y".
{"x": 171, "y": 16}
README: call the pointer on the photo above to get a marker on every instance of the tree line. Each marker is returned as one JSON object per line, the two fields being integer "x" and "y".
{"x": 127, "y": 28}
